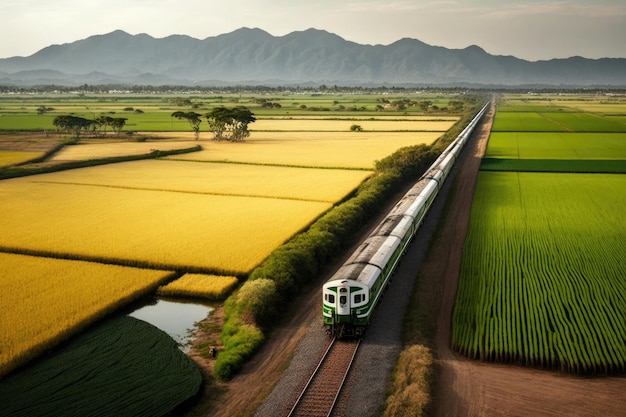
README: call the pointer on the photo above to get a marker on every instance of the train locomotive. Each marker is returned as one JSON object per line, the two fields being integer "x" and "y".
{"x": 352, "y": 293}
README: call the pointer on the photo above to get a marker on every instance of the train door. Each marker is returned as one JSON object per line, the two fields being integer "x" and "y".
{"x": 343, "y": 302}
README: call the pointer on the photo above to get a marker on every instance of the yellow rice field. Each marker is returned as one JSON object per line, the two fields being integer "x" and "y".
{"x": 45, "y": 300}
{"x": 15, "y": 157}
{"x": 212, "y": 287}
{"x": 313, "y": 149}
{"x": 327, "y": 185}
{"x": 94, "y": 150}
{"x": 158, "y": 229}
{"x": 188, "y": 212}
{"x": 380, "y": 125}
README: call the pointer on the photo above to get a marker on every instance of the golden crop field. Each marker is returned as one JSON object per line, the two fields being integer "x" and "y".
{"x": 191, "y": 212}
{"x": 355, "y": 118}
{"x": 15, "y": 157}
{"x": 167, "y": 230}
{"x": 327, "y": 185}
{"x": 95, "y": 150}
{"x": 313, "y": 149}
{"x": 371, "y": 124}
{"x": 45, "y": 300}
{"x": 212, "y": 287}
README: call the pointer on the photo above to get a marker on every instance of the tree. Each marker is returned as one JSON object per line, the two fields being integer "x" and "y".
{"x": 425, "y": 105}
{"x": 44, "y": 109}
{"x": 72, "y": 124}
{"x": 230, "y": 124}
{"x": 192, "y": 118}
{"x": 456, "y": 105}
{"x": 117, "y": 124}
{"x": 102, "y": 122}
{"x": 241, "y": 118}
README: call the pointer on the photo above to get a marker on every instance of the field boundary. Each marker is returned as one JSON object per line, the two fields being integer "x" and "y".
{"x": 583, "y": 166}
{"x": 24, "y": 170}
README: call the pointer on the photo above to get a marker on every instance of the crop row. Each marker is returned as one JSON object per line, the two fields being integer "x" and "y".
{"x": 542, "y": 273}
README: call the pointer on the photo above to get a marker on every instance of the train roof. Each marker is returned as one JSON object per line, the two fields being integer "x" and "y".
{"x": 358, "y": 273}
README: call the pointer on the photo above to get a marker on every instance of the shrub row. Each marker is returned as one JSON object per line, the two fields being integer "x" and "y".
{"x": 260, "y": 301}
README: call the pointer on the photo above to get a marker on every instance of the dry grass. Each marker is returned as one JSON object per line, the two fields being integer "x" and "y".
{"x": 44, "y": 301}
{"x": 411, "y": 384}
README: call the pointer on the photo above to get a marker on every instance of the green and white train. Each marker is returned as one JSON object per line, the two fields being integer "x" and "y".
{"x": 352, "y": 293}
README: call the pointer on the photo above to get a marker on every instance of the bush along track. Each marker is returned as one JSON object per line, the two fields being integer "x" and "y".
{"x": 253, "y": 310}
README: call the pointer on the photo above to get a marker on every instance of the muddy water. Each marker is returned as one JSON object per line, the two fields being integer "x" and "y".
{"x": 175, "y": 317}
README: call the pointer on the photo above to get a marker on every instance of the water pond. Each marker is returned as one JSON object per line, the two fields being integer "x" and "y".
{"x": 175, "y": 317}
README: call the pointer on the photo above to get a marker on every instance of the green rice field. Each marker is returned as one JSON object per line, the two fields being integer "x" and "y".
{"x": 542, "y": 278}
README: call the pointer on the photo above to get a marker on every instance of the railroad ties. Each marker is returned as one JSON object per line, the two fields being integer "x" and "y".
{"x": 319, "y": 396}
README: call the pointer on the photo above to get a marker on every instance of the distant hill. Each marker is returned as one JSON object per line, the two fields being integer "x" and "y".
{"x": 253, "y": 56}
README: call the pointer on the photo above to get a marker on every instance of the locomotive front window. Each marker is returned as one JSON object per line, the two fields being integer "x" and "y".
{"x": 330, "y": 298}
{"x": 342, "y": 299}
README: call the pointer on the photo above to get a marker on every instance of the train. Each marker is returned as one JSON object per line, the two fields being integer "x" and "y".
{"x": 351, "y": 294}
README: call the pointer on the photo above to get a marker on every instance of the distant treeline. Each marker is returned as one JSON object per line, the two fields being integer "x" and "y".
{"x": 290, "y": 89}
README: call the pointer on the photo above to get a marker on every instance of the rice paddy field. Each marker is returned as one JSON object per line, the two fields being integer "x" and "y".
{"x": 15, "y": 157}
{"x": 102, "y": 149}
{"x": 149, "y": 228}
{"x": 344, "y": 150}
{"x": 45, "y": 300}
{"x": 542, "y": 279}
{"x": 95, "y": 239}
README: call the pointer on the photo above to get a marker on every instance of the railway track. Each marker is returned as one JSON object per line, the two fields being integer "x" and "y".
{"x": 319, "y": 396}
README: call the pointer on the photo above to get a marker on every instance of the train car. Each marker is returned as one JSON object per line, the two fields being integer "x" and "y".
{"x": 351, "y": 294}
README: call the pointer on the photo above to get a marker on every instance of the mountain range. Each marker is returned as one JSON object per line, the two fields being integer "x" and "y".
{"x": 255, "y": 57}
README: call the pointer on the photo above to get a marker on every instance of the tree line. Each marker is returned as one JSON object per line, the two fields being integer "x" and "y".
{"x": 226, "y": 124}
{"x": 76, "y": 124}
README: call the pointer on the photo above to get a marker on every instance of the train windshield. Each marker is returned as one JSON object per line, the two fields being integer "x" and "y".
{"x": 344, "y": 301}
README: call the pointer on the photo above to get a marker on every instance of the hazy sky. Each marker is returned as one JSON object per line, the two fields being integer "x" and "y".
{"x": 531, "y": 29}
